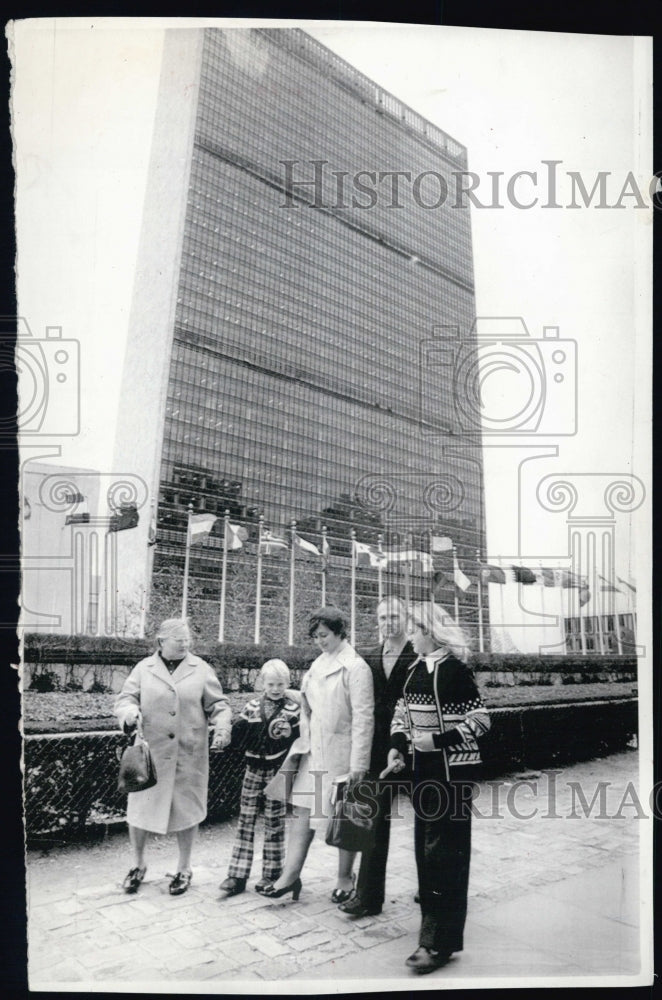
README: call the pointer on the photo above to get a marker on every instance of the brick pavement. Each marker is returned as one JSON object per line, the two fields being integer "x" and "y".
{"x": 553, "y": 895}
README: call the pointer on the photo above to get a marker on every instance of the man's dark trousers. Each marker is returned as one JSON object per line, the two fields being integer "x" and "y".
{"x": 372, "y": 872}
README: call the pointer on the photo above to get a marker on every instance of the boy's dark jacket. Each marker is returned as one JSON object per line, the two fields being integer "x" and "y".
{"x": 265, "y": 741}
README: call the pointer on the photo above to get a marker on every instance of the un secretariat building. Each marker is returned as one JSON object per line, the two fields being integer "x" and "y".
{"x": 291, "y": 278}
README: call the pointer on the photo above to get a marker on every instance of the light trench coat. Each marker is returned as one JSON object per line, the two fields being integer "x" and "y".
{"x": 176, "y": 710}
{"x": 337, "y": 724}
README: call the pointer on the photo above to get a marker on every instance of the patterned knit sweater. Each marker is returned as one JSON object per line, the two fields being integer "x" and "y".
{"x": 446, "y": 704}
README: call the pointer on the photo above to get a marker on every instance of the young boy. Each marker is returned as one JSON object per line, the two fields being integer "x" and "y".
{"x": 265, "y": 730}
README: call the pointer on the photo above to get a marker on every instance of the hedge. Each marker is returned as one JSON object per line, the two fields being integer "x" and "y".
{"x": 83, "y": 649}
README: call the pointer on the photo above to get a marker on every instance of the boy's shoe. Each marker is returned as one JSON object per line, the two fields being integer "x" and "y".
{"x": 232, "y": 886}
{"x": 264, "y": 882}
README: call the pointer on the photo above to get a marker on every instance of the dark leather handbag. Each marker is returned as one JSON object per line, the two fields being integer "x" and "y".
{"x": 137, "y": 770}
{"x": 352, "y": 825}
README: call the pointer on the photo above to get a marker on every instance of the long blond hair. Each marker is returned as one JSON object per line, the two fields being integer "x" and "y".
{"x": 436, "y": 621}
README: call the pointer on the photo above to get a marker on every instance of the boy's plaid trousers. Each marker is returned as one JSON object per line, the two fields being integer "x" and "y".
{"x": 273, "y": 854}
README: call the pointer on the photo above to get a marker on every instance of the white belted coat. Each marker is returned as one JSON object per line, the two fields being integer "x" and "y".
{"x": 176, "y": 710}
{"x": 337, "y": 724}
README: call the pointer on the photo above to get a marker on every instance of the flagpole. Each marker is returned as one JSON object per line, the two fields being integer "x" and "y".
{"x": 258, "y": 581}
{"x": 455, "y": 598}
{"x": 617, "y": 625}
{"x": 380, "y": 582}
{"x": 325, "y": 559}
{"x": 148, "y": 571}
{"x": 352, "y": 599}
{"x": 431, "y": 586}
{"x": 290, "y": 628}
{"x": 481, "y": 638}
{"x": 224, "y": 570}
{"x": 407, "y": 572}
{"x": 187, "y": 558}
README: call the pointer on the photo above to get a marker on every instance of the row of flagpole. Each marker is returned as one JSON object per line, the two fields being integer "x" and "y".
{"x": 199, "y": 526}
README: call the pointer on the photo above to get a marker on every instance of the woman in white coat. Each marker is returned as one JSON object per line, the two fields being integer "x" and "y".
{"x": 337, "y": 723}
{"x": 173, "y": 696}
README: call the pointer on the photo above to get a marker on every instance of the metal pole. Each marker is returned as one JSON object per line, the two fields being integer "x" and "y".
{"x": 290, "y": 628}
{"x": 481, "y": 638}
{"x": 186, "y": 564}
{"x": 380, "y": 582}
{"x": 455, "y": 598}
{"x": 352, "y": 605}
{"x": 224, "y": 571}
{"x": 325, "y": 561}
{"x": 258, "y": 582}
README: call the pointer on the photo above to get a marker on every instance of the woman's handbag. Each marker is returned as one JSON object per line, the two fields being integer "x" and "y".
{"x": 352, "y": 825}
{"x": 137, "y": 770}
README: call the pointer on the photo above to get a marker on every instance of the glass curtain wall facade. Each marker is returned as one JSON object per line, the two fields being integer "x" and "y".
{"x": 298, "y": 357}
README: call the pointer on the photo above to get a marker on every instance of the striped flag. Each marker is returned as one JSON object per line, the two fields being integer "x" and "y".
{"x": 492, "y": 574}
{"x": 523, "y": 574}
{"x": 375, "y": 557}
{"x": 409, "y": 556}
{"x": 630, "y": 586}
{"x": 199, "y": 527}
{"x": 237, "y": 535}
{"x": 325, "y": 552}
{"x": 461, "y": 581}
{"x": 440, "y": 543}
{"x": 305, "y": 546}
{"x": 270, "y": 543}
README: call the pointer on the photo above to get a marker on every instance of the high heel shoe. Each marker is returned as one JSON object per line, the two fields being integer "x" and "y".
{"x": 271, "y": 893}
{"x": 342, "y": 895}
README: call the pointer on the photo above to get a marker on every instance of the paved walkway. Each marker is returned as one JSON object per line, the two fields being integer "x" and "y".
{"x": 549, "y": 897}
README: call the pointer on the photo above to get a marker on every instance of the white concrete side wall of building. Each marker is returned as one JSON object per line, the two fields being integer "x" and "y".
{"x": 139, "y": 434}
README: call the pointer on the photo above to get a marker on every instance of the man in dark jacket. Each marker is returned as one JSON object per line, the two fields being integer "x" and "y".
{"x": 389, "y": 663}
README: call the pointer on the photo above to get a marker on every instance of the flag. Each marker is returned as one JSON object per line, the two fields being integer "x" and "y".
{"x": 440, "y": 543}
{"x": 269, "y": 543}
{"x": 630, "y": 586}
{"x": 562, "y": 578}
{"x": 607, "y": 586}
{"x": 571, "y": 579}
{"x": 124, "y": 518}
{"x": 375, "y": 557}
{"x": 584, "y": 596}
{"x": 199, "y": 527}
{"x": 523, "y": 574}
{"x": 325, "y": 552}
{"x": 492, "y": 574}
{"x": 151, "y": 531}
{"x": 82, "y": 519}
{"x": 305, "y": 546}
{"x": 237, "y": 535}
{"x": 410, "y": 555}
{"x": 461, "y": 581}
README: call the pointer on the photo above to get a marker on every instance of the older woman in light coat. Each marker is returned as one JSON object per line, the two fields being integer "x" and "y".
{"x": 337, "y": 723}
{"x": 173, "y": 696}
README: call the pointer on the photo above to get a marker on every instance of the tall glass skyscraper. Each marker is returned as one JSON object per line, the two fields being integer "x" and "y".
{"x": 320, "y": 266}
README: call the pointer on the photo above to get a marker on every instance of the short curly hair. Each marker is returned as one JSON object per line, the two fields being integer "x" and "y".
{"x": 333, "y": 618}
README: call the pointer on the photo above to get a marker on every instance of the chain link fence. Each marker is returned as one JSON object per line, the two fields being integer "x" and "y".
{"x": 71, "y": 779}
{"x": 70, "y": 783}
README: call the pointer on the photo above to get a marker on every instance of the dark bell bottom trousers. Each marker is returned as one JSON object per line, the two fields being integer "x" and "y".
{"x": 442, "y": 838}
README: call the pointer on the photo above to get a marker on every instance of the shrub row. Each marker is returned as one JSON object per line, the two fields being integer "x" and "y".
{"x": 103, "y": 650}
